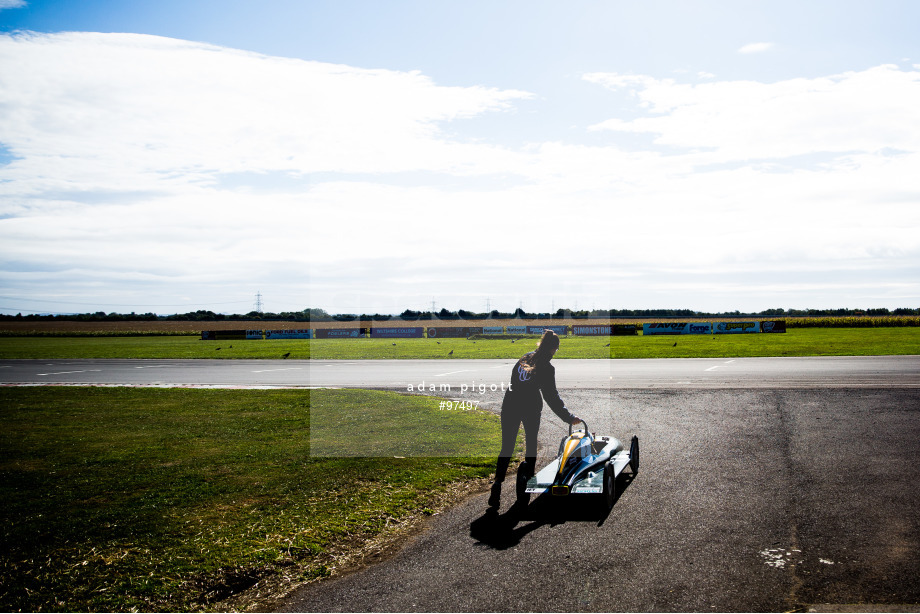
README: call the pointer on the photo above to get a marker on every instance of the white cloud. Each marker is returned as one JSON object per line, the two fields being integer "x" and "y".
{"x": 755, "y": 48}
{"x": 149, "y": 166}
{"x": 865, "y": 111}
{"x": 160, "y": 111}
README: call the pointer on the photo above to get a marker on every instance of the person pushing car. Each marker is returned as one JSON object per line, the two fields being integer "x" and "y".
{"x": 531, "y": 377}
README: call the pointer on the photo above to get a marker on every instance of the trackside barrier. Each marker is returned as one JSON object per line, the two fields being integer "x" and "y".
{"x": 773, "y": 326}
{"x": 441, "y": 332}
{"x": 538, "y": 330}
{"x": 714, "y": 328}
{"x": 666, "y": 328}
{"x": 340, "y": 333}
{"x": 300, "y": 333}
{"x": 444, "y": 332}
{"x": 393, "y": 333}
{"x": 604, "y": 329}
{"x": 726, "y": 328}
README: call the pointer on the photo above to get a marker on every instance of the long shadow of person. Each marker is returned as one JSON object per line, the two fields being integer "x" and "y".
{"x": 506, "y": 530}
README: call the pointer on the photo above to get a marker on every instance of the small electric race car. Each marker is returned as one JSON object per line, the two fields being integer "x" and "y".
{"x": 586, "y": 464}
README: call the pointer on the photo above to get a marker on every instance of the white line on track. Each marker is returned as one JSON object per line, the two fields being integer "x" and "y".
{"x": 69, "y": 372}
{"x": 287, "y": 369}
{"x": 453, "y": 372}
{"x": 727, "y": 362}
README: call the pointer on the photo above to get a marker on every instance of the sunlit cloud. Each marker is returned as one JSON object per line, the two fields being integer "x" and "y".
{"x": 755, "y": 48}
{"x": 87, "y": 108}
{"x": 136, "y": 166}
{"x": 867, "y": 111}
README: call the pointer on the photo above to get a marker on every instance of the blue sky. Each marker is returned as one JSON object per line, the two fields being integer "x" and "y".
{"x": 368, "y": 156}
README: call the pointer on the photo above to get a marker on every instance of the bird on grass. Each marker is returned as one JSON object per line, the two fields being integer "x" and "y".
{"x": 607, "y": 346}
{"x": 394, "y": 344}
{"x": 450, "y": 353}
{"x": 217, "y": 348}
{"x": 286, "y": 355}
{"x": 675, "y": 345}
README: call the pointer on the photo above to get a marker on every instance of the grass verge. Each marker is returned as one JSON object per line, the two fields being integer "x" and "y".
{"x": 120, "y": 499}
{"x": 795, "y": 342}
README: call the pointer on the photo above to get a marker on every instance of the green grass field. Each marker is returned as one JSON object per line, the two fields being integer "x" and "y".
{"x": 118, "y": 499}
{"x": 796, "y": 342}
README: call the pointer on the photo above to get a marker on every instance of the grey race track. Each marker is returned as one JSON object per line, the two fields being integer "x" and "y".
{"x": 746, "y": 500}
{"x": 706, "y": 373}
{"x": 764, "y": 485}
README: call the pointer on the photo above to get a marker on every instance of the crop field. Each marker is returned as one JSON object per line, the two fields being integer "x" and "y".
{"x": 63, "y": 328}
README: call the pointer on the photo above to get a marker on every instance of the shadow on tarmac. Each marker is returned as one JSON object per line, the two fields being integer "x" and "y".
{"x": 506, "y": 530}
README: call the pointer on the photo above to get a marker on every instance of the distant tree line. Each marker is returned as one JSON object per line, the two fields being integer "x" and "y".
{"x": 320, "y": 315}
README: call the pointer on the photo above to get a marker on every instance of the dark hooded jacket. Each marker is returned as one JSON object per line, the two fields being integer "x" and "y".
{"x": 526, "y": 388}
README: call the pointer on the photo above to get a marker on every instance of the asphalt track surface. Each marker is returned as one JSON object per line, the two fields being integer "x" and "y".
{"x": 746, "y": 500}
{"x": 704, "y": 373}
{"x": 764, "y": 485}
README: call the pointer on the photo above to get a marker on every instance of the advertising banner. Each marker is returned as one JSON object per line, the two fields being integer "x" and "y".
{"x": 254, "y": 334}
{"x": 773, "y": 326}
{"x": 393, "y": 333}
{"x": 699, "y": 328}
{"x": 666, "y": 328}
{"x": 441, "y": 332}
{"x": 339, "y": 333}
{"x": 724, "y": 328}
{"x": 592, "y": 330}
{"x": 493, "y": 330}
{"x": 516, "y": 330}
{"x": 538, "y": 330}
{"x": 625, "y": 329}
{"x": 603, "y": 329}
{"x": 300, "y": 333}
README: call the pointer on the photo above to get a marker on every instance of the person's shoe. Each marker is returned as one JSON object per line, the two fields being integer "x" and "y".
{"x": 496, "y": 497}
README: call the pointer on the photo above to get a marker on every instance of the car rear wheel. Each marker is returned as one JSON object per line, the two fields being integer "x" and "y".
{"x": 634, "y": 455}
{"x": 610, "y": 487}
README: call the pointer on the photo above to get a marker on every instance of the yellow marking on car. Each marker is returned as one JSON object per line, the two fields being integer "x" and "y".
{"x": 570, "y": 446}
